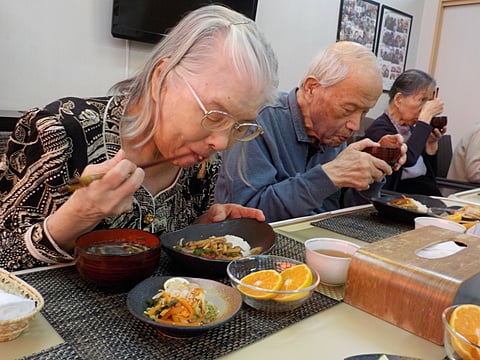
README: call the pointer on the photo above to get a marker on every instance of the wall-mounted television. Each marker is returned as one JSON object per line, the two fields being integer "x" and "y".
{"x": 149, "y": 20}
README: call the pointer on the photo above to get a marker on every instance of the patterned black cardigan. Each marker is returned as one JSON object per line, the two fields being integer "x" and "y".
{"x": 50, "y": 145}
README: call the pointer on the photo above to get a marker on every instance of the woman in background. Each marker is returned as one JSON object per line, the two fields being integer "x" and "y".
{"x": 412, "y": 105}
{"x": 198, "y": 94}
{"x": 465, "y": 165}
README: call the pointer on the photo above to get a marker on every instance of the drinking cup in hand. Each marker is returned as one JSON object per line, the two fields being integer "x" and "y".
{"x": 438, "y": 122}
{"x": 389, "y": 154}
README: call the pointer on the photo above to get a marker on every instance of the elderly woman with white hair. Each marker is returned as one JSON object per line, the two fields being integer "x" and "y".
{"x": 198, "y": 94}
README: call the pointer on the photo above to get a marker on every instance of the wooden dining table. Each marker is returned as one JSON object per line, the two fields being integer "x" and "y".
{"x": 337, "y": 332}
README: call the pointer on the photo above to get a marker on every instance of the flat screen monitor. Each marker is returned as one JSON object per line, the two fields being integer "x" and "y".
{"x": 149, "y": 20}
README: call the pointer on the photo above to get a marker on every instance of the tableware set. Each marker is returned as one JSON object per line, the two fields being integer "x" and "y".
{"x": 330, "y": 258}
{"x": 225, "y": 298}
{"x": 238, "y": 269}
{"x": 114, "y": 269}
{"x": 256, "y": 234}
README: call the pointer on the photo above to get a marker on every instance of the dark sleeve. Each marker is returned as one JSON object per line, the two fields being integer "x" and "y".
{"x": 38, "y": 161}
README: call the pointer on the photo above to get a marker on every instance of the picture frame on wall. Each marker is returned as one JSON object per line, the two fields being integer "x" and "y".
{"x": 357, "y": 21}
{"x": 392, "y": 45}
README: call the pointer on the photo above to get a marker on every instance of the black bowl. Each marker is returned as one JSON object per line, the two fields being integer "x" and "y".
{"x": 256, "y": 233}
{"x": 399, "y": 214}
{"x": 227, "y": 300}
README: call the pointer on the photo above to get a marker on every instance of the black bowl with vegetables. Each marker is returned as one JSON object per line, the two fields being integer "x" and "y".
{"x": 201, "y": 261}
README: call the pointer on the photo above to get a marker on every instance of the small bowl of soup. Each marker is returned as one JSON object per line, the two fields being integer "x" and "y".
{"x": 330, "y": 258}
{"x": 117, "y": 259}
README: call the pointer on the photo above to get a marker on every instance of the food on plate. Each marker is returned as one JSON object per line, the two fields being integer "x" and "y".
{"x": 182, "y": 303}
{"x": 468, "y": 215}
{"x": 293, "y": 278}
{"x": 408, "y": 203}
{"x": 465, "y": 319}
{"x": 228, "y": 247}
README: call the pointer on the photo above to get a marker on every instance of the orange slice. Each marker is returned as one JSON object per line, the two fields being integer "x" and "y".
{"x": 265, "y": 279}
{"x": 465, "y": 319}
{"x": 295, "y": 278}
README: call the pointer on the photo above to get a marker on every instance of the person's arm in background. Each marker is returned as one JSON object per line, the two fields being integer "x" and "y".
{"x": 472, "y": 158}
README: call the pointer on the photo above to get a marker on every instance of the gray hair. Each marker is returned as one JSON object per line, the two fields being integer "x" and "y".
{"x": 191, "y": 44}
{"x": 333, "y": 64}
{"x": 410, "y": 82}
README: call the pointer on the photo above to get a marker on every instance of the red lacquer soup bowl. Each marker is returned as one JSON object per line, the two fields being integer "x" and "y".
{"x": 117, "y": 258}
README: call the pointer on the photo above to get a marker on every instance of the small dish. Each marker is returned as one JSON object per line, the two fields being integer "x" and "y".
{"x": 474, "y": 230}
{"x": 238, "y": 269}
{"x": 456, "y": 345}
{"x": 330, "y": 258}
{"x": 422, "y": 221}
{"x": 227, "y": 300}
{"x": 255, "y": 233}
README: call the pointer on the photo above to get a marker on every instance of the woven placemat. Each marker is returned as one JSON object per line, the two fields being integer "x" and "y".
{"x": 98, "y": 325}
{"x": 365, "y": 225}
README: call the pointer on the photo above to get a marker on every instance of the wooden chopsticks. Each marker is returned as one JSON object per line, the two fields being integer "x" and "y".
{"x": 83, "y": 181}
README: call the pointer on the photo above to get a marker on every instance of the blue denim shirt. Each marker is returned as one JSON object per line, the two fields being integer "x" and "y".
{"x": 281, "y": 171}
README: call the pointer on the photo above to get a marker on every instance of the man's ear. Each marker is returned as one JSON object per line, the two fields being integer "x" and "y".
{"x": 155, "y": 87}
{"x": 309, "y": 85}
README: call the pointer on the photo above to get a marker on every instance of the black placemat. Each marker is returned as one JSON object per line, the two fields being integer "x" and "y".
{"x": 98, "y": 325}
{"x": 364, "y": 225}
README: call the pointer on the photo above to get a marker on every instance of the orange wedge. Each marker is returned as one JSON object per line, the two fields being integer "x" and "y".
{"x": 295, "y": 278}
{"x": 465, "y": 319}
{"x": 265, "y": 279}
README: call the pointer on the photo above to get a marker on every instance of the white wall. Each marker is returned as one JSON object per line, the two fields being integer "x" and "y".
{"x": 55, "y": 48}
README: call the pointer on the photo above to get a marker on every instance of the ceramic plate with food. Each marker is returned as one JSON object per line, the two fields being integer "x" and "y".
{"x": 207, "y": 304}
{"x": 206, "y": 249}
{"x": 405, "y": 208}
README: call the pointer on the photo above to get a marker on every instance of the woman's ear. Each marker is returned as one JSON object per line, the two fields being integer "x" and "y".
{"x": 155, "y": 86}
{"x": 397, "y": 98}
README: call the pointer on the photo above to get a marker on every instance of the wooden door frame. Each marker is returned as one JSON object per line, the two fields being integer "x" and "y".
{"x": 438, "y": 27}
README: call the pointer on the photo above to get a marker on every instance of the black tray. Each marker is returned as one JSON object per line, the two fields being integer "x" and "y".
{"x": 405, "y": 215}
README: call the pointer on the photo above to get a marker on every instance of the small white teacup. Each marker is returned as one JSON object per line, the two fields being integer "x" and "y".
{"x": 330, "y": 258}
{"x": 422, "y": 221}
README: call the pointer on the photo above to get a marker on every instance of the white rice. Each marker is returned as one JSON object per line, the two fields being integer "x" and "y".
{"x": 420, "y": 207}
{"x": 238, "y": 241}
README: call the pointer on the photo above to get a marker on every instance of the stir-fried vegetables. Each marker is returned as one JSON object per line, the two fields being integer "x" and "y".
{"x": 181, "y": 303}
{"x": 226, "y": 247}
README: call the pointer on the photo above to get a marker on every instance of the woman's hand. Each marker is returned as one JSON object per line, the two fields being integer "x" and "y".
{"x": 431, "y": 146}
{"x": 111, "y": 195}
{"x": 430, "y": 109}
{"x": 220, "y": 212}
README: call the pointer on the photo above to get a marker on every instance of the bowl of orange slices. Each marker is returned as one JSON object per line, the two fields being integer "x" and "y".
{"x": 462, "y": 332}
{"x": 272, "y": 283}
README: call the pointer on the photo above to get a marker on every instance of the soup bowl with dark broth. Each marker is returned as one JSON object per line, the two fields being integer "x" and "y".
{"x": 117, "y": 259}
{"x": 330, "y": 258}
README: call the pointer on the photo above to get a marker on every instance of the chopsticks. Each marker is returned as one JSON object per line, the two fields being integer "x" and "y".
{"x": 83, "y": 181}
